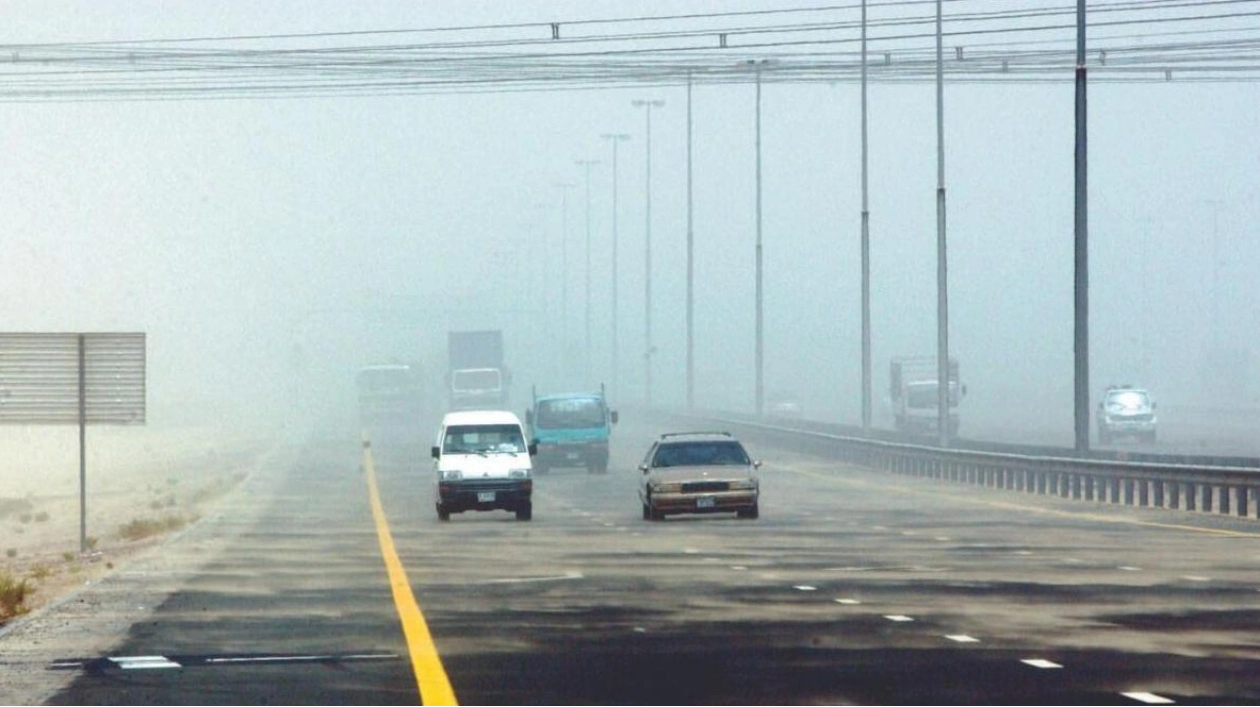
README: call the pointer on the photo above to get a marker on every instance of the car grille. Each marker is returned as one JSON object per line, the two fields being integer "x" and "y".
{"x": 705, "y": 486}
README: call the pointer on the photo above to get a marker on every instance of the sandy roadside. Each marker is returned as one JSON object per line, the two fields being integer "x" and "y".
{"x": 142, "y": 484}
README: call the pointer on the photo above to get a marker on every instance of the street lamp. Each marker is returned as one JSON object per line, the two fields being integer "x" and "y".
{"x": 614, "y": 138}
{"x": 648, "y": 105}
{"x": 564, "y": 273}
{"x": 758, "y": 65}
{"x": 586, "y": 356}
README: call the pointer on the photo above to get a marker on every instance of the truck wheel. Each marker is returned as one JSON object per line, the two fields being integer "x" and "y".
{"x": 443, "y": 513}
{"x": 752, "y": 512}
{"x": 525, "y": 512}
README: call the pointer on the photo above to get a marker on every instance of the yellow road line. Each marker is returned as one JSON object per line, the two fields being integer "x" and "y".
{"x": 435, "y": 687}
{"x": 1039, "y": 509}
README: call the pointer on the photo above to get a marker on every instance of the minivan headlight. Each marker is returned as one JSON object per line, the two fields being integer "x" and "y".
{"x": 518, "y": 473}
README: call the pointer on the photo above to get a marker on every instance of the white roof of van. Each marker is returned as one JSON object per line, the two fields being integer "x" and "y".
{"x": 480, "y": 417}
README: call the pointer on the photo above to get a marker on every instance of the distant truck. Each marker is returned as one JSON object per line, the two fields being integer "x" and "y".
{"x": 391, "y": 398}
{"x": 571, "y": 429}
{"x": 476, "y": 375}
{"x": 913, "y": 386}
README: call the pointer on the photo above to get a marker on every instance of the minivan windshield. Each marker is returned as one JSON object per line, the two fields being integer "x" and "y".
{"x": 483, "y": 439}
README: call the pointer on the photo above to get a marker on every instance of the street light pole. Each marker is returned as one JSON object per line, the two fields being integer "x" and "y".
{"x": 760, "y": 393}
{"x": 648, "y": 105}
{"x": 614, "y": 138}
{"x": 942, "y": 272}
{"x": 866, "y": 254}
{"x": 564, "y": 275}
{"x": 586, "y": 356}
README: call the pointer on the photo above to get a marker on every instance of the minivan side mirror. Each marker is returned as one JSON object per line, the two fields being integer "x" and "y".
{"x": 436, "y": 452}
{"x": 614, "y": 417}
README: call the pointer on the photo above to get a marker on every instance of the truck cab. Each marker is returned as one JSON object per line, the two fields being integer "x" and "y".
{"x": 571, "y": 430}
{"x": 481, "y": 462}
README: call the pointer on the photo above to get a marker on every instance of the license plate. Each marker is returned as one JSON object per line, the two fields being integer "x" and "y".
{"x": 485, "y": 497}
{"x": 705, "y": 502}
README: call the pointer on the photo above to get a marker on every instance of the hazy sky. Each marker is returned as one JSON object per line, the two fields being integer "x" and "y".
{"x": 274, "y": 245}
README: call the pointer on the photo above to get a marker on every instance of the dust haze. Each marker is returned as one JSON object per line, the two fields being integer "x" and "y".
{"x": 271, "y": 247}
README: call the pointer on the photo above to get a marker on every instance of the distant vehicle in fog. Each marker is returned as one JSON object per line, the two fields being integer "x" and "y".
{"x": 699, "y": 472}
{"x": 477, "y": 377}
{"x": 785, "y": 406}
{"x": 913, "y": 389}
{"x": 1126, "y": 411}
{"x": 482, "y": 463}
{"x": 391, "y": 399}
{"x": 571, "y": 429}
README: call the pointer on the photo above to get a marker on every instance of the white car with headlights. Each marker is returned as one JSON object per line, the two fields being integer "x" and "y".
{"x": 482, "y": 463}
{"x": 1126, "y": 411}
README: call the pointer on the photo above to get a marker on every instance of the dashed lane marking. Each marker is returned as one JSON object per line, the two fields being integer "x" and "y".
{"x": 1149, "y": 698}
{"x": 171, "y": 662}
{"x": 1041, "y": 663}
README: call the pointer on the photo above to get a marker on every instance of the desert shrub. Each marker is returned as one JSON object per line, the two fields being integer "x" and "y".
{"x": 140, "y": 528}
{"x": 13, "y": 595}
{"x": 41, "y": 517}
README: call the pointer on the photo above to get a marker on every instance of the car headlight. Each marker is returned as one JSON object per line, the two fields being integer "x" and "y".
{"x": 451, "y": 475}
{"x": 743, "y": 485}
{"x": 518, "y": 473}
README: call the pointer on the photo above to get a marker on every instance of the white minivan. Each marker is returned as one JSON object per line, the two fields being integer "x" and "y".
{"x": 482, "y": 463}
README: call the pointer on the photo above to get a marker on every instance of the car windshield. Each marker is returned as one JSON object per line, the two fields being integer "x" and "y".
{"x": 923, "y": 395}
{"x": 718, "y": 453}
{"x": 483, "y": 439}
{"x": 570, "y": 414}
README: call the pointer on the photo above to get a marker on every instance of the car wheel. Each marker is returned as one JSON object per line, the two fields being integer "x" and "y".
{"x": 752, "y": 512}
{"x": 525, "y": 512}
{"x": 443, "y": 513}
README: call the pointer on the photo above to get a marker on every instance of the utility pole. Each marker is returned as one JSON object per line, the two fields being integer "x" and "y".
{"x": 648, "y": 348}
{"x": 586, "y": 355}
{"x": 614, "y": 138}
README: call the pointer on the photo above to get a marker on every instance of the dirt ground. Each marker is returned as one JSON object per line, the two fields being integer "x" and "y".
{"x": 142, "y": 483}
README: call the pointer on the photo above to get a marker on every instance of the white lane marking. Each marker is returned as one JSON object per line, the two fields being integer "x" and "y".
{"x": 1040, "y": 663}
{"x": 690, "y": 551}
{"x": 1023, "y": 552}
{"x": 741, "y": 568}
{"x": 848, "y": 602}
{"x": 1149, "y": 698}
{"x": 571, "y": 574}
{"x": 144, "y": 662}
{"x": 805, "y": 588}
{"x": 898, "y": 617}
{"x": 302, "y": 658}
{"x": 962, "y": 638}
{"x": 1196, "y": 578}
{"x": 1129, "y": 568}
{"x": 943, "y": 538}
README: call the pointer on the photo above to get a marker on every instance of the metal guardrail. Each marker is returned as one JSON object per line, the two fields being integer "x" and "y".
{"x": 1223, "y": 490}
